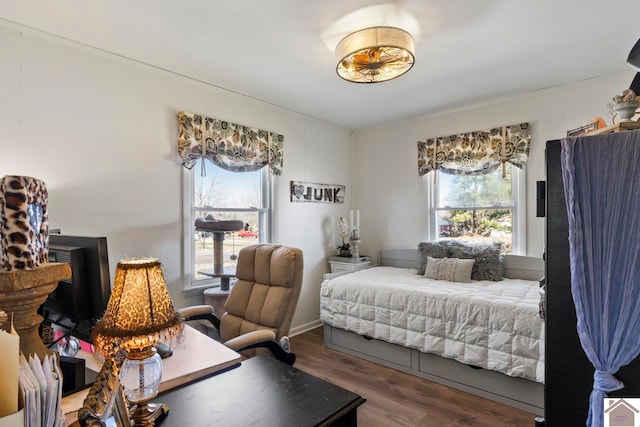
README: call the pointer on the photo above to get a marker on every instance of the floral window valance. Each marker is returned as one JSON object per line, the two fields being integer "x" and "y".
{"x": 231, "y": 146}
{"x": 475, "y": 153}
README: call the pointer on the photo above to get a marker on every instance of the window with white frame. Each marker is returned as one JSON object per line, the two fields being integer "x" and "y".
{"x": 482, "y": 208}
{"x": 224, "y": 195}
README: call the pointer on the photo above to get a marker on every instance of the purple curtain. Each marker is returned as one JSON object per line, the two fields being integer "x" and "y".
{"x": 602, "y": 188}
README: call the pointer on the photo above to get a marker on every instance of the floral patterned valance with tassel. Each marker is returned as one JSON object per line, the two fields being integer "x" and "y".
{"x": 475, "y": 153}
{"x": 231, "y": 146}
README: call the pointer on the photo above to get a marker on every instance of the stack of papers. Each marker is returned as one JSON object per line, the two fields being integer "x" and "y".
{"x": 41, "y": 386}
{"x": 35, "y": 383}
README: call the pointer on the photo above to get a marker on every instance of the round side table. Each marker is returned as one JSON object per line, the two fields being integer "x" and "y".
{"x": 216, "y": 297}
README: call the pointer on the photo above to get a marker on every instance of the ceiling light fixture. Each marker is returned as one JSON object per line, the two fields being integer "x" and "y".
{"x": 375, "y": 54}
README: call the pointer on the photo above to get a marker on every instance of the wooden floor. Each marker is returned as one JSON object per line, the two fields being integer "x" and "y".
{"x": 395, "y": 398}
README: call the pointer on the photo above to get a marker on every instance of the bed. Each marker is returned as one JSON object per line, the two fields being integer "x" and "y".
{"x": 483, "y": 337}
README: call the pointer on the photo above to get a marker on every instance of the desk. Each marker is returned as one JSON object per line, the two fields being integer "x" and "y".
{"x": 260, "y": 392}
{"x": 196, "y": 357}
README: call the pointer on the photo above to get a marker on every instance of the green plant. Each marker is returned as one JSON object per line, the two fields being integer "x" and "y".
{"x": 344, "y": 246}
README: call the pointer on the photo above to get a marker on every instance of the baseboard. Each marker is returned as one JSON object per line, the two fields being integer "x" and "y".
{"x": 304, "y": 328}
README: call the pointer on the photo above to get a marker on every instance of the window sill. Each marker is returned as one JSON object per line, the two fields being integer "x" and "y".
{"x": 195, "y": 290}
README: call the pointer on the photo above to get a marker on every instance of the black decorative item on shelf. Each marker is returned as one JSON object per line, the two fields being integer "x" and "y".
{"x": 540, "y": 205}
{"x": 634, "y": 61}
{"x": 634, "y": 56}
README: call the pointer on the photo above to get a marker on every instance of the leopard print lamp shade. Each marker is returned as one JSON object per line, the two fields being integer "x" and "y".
{"x": 140, "y": 312}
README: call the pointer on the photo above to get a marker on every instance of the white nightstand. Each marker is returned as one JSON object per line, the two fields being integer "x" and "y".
{"x": 340, "y": 263}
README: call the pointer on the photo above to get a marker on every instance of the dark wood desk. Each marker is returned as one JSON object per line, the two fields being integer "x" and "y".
{"x": 260, "y": 392}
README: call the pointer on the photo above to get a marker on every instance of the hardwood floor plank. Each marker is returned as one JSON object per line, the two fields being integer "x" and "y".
{"x": 395, "y": 398}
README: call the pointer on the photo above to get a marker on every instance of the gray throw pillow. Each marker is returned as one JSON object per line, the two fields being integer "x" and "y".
{"x": 430, "y": 249}
{"x": 488, "y": 265}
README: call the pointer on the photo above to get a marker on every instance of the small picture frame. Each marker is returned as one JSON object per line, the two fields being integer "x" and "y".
{"x": 584, "y": 129}
{"x": 119, "y": 412}
{"x": 105, "y": 404}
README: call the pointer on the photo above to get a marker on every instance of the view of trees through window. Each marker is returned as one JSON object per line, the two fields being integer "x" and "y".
{"x": 475, "y": 208}
{"x": 227, "y": 196}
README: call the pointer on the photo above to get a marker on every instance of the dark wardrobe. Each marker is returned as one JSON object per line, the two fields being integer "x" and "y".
{"x": 568, "y": 372}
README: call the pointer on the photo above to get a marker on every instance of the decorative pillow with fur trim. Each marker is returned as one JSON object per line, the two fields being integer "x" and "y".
{"x": 488, "y": 265}
{"x": 430, "y": 249}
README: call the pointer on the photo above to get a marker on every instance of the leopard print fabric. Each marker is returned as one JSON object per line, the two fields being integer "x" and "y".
{"x": 24, "y": 226}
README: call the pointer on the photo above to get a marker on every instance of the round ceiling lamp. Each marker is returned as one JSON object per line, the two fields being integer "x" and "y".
{"x": 375, "y": 54}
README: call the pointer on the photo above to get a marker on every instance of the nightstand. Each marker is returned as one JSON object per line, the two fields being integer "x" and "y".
{"x": 341, "y": 263}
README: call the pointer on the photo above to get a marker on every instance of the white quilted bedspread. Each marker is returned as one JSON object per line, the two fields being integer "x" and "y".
{"x": 493, "y": 325}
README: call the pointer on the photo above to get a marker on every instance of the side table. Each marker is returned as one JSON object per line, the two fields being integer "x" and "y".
{"x": 341, "y": 263}
{"x": 216, "y": 298}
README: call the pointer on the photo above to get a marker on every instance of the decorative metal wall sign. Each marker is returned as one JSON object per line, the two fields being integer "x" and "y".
{"x": 317, "y": 193}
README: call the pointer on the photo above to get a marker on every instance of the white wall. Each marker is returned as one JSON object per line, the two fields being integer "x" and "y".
{"x": 101, "y": 131}
{"x": 393, "y": 203}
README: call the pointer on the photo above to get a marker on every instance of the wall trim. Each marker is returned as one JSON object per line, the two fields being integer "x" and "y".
{"x": 304, "y": 328}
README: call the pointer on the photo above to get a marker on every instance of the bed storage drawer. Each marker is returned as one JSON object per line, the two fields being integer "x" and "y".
{"x": 479, "y": 381}
{"x": 358, "y": 345}
{"x": 517, "y": 392}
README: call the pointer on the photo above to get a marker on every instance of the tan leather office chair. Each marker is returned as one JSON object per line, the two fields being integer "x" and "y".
{"x": 261, "y": 303}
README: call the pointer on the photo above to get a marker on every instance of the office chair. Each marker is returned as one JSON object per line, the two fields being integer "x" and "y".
{"x": 261, "y": 303}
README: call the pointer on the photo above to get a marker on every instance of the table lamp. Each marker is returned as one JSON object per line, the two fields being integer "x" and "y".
{"x": 139, "y": 315}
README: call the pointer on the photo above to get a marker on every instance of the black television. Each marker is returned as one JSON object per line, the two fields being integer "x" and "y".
{"x": 76, "y": 304}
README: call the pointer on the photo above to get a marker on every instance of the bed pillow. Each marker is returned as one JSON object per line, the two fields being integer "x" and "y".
{"x": 488, "y": 265}
{"x": 430, "y": 249}
{"x": 451, "y": 269}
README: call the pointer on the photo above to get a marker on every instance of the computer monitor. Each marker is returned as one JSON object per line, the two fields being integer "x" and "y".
{"x": 77, "y": 303}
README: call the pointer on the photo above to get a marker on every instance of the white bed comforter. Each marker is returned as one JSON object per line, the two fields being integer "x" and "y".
{"x": 493, "y": 325}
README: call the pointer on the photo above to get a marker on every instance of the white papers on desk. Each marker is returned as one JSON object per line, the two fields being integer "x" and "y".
{"x": 41, "y": 384}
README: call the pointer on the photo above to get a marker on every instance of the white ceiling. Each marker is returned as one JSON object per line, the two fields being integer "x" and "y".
{"x": 467, "y": 51}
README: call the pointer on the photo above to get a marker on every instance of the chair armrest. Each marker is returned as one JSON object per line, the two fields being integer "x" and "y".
{"x": 200, "y": 312}
{"x": 242, "y": 341}
{"x": 262, "y": 339}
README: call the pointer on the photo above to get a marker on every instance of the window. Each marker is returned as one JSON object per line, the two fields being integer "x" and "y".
{"x": 483, "y": 208}
{"x": 225, "y": 195}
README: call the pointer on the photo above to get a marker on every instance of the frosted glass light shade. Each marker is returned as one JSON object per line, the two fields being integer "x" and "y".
{"x": 140, "y": 378}
{"x": 375, "y": 54}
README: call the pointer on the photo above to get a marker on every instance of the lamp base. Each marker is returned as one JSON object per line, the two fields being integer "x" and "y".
{"x": 146, "y": 414}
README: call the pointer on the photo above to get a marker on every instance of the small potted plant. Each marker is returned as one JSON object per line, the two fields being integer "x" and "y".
{"x": 345, "y": 248}
{"x": 625, "y": 105}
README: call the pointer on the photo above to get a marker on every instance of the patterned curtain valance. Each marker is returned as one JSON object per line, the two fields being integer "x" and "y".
{"x": 475, "y": 153}
{"x": 233, "y": 147}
